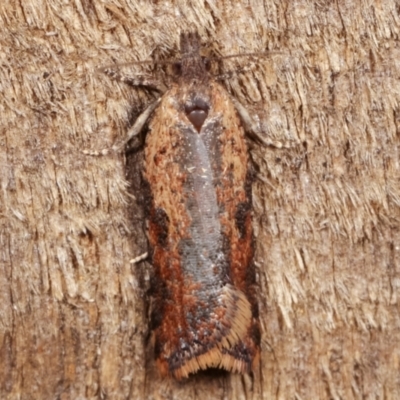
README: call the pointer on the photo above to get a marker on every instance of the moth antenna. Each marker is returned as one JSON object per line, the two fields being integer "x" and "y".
{"x": 255, "y": 54}
{"x": 175, "y": 60}
{"x": 125, "y": 64}
{"x": 145, "y": 62}
{"x": 229, "y": 74}
{"x": 136, "y": 80}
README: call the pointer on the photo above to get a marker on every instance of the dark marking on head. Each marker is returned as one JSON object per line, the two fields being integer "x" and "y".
{"x": 177, "y": 68}
{"x": 207, "y": 63}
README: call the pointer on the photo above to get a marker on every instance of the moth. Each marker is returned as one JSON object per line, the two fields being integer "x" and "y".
{"x": 197, "y": 168}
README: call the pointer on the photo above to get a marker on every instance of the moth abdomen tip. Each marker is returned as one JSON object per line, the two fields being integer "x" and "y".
{"x": 220, "y": 342}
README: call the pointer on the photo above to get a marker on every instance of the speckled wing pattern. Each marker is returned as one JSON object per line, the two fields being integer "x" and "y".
{"x": 200, "y": 228}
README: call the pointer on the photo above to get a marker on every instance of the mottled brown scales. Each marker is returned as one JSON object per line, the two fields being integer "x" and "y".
{"x": 196, "y": 164}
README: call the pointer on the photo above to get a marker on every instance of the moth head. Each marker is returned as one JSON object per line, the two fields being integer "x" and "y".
{"x": 177, "y": 66}
{"x": 191, "y": 66}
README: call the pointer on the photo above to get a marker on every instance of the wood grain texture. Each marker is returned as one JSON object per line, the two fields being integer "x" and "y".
{"x": 73, "y": 312}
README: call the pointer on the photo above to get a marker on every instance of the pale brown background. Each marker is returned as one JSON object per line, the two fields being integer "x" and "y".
{"x": 74, "y": 313}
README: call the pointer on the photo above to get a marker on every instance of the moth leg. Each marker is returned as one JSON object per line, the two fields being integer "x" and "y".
{"x": 134, "y": 80}
{"x": 138, "y": 259}
{"x": 133, "y": 131}
{"x": 139, "y": 123}
{"x": 251, "y": 128}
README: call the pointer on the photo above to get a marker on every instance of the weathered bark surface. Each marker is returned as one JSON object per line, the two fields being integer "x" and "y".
{"x": 73, "y": 311}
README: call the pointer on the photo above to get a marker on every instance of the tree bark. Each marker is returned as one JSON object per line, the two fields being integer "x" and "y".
{"x": 74, "y": 318}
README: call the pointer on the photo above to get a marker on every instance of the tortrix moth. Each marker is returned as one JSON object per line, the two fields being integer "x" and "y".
{"x": 199, "y": 223}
